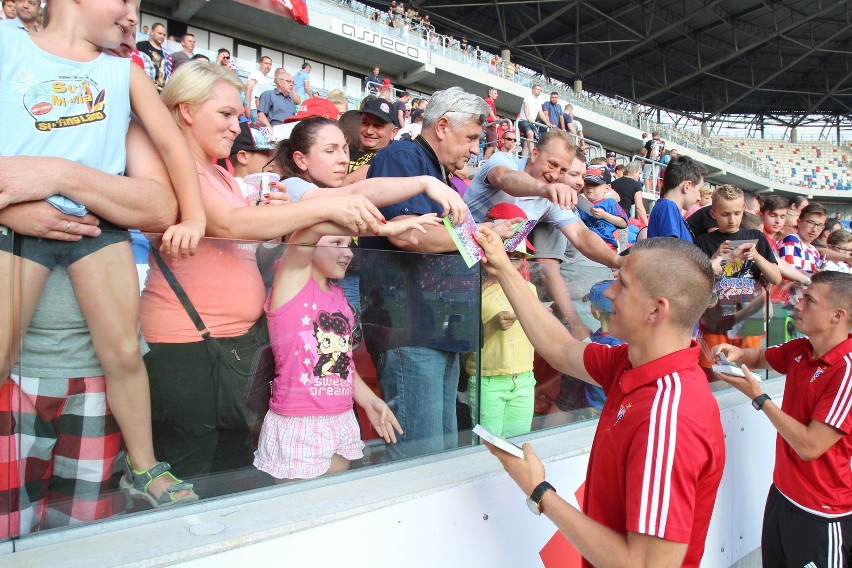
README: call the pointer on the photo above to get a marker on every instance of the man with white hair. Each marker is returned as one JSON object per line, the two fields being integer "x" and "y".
{"x": 277, "y": 104}
{"x": 417, "y": 359}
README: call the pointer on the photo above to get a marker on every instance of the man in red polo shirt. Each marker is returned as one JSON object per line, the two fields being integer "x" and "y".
{"x": 659, "y": 450}
{"x": 808, "y": 516}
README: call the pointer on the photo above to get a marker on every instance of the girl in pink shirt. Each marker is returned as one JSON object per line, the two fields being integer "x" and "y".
{"x": 310, "y": 428}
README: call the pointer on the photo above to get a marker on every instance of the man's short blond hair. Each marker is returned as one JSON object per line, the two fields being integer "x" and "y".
{"x": 662, "y": 257}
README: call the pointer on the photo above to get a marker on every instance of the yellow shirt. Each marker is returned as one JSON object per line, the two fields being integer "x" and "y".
{"x": 504, "y": 352}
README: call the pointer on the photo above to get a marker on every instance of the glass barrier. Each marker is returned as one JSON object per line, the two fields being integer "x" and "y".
{"x": 435, "y": 340}
{"x": 9, "y": 483}
{"x": 417, "y": 317}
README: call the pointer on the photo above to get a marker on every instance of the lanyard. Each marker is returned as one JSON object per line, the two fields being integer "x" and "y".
{"x": 430, "y": 153}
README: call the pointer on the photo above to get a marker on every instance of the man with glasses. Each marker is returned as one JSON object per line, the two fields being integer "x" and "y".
{"x": 508, "y": 141}
{"x": 796, "y": 249}
{"x": 277, "y": 104}
{"x": 161, "y": 60}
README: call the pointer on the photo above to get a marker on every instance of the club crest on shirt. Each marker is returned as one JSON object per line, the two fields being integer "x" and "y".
{"x": 819, "y": 372}
{"x": 622, "y": 410}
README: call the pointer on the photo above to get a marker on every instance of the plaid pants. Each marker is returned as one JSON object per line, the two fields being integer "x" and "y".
{"x": 68, "y": 442}
{"x": 9, "y": 482}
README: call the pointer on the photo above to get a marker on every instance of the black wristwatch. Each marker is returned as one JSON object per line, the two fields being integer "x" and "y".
{"x": 534, "y": 500}
{"x": 758, "y": 401}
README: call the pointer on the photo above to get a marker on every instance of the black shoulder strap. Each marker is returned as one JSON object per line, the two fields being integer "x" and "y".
{"x": 181, "y": 294}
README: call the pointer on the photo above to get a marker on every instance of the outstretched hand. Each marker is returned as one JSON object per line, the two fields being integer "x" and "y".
{"x": 407, "y": 228}
{"x": 356, "y": 213}
{"x": 561, "y": 194}
{"x": 494, "y": 258}
{"x": 448, "y": 198}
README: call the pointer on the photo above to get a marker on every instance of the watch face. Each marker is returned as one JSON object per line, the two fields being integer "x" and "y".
{"x": 533, "y": 506}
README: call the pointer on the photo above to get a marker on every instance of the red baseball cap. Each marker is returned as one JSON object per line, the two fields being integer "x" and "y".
{"x": 315, "y": 106}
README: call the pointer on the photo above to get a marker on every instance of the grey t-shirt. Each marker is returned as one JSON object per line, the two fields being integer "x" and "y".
{"x": 58, "y": 344}
{"x": 578, "y": 272}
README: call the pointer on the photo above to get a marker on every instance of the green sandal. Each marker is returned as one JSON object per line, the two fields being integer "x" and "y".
{"x": 136, "y": 483}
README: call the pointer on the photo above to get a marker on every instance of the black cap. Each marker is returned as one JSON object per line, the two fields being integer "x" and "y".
{"x": 252, "y": 139}
{"x": 378, "y": 107}
{"x": 597, "y": 175}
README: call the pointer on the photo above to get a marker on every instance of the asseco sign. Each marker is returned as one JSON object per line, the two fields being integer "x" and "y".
{"x": 377, "y": 40}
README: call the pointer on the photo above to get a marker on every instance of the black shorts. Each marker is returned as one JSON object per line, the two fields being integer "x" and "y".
{"x": 538, "y": 131}
{"x": 51, "y": 253}
{"x": 793, "y": 537}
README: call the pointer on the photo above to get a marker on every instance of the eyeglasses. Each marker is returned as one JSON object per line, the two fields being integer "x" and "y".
{"x": 840, "y": 249}
{"x": 814, "y": 225}
{"x": 226, "y": 57}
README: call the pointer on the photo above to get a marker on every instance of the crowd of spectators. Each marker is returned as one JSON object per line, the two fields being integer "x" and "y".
{"x": 383, "y": 173}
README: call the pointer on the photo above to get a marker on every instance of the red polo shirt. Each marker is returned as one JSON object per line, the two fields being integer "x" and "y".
{"x": 659, "y": 450}
{"x": 816, "y": 389}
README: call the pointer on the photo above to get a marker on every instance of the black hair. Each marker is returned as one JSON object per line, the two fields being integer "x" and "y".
{"x": 303, "y": 136}
{"x": 681, "y": 169}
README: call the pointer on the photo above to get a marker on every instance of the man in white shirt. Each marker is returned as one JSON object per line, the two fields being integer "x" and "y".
{"x": 260, "y": 81}
{"x": 529, "y": 115}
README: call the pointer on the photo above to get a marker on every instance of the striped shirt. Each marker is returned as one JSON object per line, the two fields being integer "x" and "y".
{"x": 659, "y": 450}
{"x": 801, "y": 256}
{"x": 816, "y": 389}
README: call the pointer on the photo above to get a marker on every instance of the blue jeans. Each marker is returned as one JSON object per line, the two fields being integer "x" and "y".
{"x": 420, "y": 386}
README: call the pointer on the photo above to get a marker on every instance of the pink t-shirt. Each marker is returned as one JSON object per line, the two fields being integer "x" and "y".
{"x": 311, "y": 338}
{"x": 222, "y": 281}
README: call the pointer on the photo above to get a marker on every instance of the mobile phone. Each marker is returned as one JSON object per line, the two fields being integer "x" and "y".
{"x": 727, "y": 368}
{"x": 67, "y": 206}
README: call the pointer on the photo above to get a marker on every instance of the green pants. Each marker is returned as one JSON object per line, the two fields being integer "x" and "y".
{"x": 506, "y": 405}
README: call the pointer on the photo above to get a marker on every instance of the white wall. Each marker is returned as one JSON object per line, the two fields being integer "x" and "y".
{"x": 459, "y": 510}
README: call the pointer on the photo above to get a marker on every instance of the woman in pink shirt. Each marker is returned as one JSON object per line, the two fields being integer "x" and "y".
{"x": 222, "y": 281}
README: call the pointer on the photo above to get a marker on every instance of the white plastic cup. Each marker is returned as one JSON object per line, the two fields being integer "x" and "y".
{"x": 259, "y": 184}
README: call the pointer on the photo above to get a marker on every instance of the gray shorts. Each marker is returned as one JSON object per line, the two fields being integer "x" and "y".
{"x": 50, "y": 253}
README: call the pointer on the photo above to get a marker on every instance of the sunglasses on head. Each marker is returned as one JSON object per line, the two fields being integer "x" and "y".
{"x": 481, "y": 117}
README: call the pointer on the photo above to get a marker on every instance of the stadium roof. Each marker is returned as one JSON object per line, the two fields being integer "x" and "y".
{"x": 787, "y": 59}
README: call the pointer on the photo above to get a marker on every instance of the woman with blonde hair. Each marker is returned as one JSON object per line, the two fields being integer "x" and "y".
{"x": 197, "y": 418}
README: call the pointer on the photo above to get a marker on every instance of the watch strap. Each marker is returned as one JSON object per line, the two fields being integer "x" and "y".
{"x": 539, "y": 491}
{"x": 759, "y": 401}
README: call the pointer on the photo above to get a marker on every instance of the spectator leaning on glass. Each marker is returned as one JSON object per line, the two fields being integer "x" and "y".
{"x": 222, "y": 281}
{"x": 419, "y": 369}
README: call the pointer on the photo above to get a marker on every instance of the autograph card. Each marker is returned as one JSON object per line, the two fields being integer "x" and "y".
{"x": 583, "y": 204}
{"x": 462, "y": 235}
{"x": 501, "y": 443}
